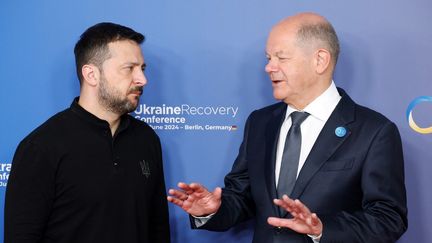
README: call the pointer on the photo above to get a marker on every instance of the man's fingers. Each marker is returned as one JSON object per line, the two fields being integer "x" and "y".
{"x": 217, "y": 193}
{"x": 289, "y": 203}
{"x": 279, "y": 222}
{"x": 303, "y": 212}
{"x": 287, "y": 200}
{"x": 178, "y": 194}
{"x": 315, "y": 220}
{"x": 282, "y": 203}
{"x": 175, "y": 201}
{"x": 297, "y": 209}
{"x": 185, "y": 187}
{"x": 278, "y": 202}
{"x": 302, "y": 208}
{"x": 303, "y": 220}
{"x": 196, "y": 187}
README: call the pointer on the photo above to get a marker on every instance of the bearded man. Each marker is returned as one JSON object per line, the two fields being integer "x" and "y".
{"x": 92, "y": 173}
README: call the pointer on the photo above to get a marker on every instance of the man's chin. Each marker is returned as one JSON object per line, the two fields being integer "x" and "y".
{"x": 278, "y": 96}
{"x": 134, "y": 99}
{"x": 132, "y": 107}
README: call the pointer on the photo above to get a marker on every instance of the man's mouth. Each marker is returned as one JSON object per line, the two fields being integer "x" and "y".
{"x": 136, "y": 90}
{"x": 276, "y": 81}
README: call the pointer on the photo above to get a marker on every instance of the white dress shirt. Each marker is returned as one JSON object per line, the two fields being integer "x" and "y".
{"x": 320, "y": 110}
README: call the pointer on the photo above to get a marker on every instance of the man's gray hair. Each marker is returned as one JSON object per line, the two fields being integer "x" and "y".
{"x": 323, "y": 32}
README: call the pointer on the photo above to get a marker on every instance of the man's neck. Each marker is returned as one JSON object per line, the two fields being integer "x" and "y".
{"x": 94, "y": 108}
{"x": 300, "y": 101}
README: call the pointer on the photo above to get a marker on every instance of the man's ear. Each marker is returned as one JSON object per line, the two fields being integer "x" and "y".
{"x": 91, "y": 74}
{"x": 322, "y": 60}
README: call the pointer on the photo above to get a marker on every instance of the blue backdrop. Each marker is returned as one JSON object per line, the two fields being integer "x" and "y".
{"x": 207, "y": 57}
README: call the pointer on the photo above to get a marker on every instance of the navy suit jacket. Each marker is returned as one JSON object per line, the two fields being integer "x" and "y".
{"x": 354, "y": 183}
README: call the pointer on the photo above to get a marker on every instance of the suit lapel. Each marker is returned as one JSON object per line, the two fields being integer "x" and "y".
{"x": 272, "y": 137}
{"x": 327, "y": 142}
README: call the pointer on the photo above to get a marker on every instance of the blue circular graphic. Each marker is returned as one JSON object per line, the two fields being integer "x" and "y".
{"x": 409, "y": 115}
{"x": 340, "y": 131}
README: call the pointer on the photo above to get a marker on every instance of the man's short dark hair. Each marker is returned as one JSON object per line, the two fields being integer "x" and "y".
{"x": 323, "y": 32}
{"x": 92, "y": 47}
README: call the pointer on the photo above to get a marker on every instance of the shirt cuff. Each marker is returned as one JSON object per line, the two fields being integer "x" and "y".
{"x": 200, "y": 221}
{"x": 315, "y": 238}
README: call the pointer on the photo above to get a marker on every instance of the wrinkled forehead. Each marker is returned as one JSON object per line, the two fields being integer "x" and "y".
{"x": 281, "y": 37}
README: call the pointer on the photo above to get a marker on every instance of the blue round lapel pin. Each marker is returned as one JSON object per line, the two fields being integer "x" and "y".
{"x": 340, "y": 131}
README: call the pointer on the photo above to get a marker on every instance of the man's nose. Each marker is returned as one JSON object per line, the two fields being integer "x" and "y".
{"x": 271, "y": 66}
{"x": 140, "y": 78}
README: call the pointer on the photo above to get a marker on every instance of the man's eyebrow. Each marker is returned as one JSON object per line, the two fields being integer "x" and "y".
{"x": 135, "y": 64}
{"x": 277, "y": 53}
{"x": 280, "y": 53}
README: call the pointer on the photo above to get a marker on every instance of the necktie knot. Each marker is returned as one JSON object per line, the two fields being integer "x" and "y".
{"x": 298, "y": 117}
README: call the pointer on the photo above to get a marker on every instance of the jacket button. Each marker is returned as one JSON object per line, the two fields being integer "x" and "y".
{"x": 278, "y": 230}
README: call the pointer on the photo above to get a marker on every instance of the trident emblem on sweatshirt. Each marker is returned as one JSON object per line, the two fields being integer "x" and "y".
{"x": 145, "y": 168}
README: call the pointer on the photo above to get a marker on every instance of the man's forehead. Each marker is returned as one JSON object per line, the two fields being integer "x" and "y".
{"x": 280, "y": 43}
{"x": 124, "y": 46}
{"x": 124, "y": 49}
{"x": 125, "y": 54}
{"x": 277, "y": 51}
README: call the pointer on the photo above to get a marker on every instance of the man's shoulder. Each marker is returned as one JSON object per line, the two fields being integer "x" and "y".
{"x": 369, "y": 113}
{"x": 49, "y": 132}
{"x": 52, "y": 126}
{"x": 361, "y": 113}
{"x": 363, "y": 117}
{"x": 372, "y": 119}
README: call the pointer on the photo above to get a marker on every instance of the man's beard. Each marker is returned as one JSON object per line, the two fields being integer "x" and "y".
{"x": 111, "y": 99}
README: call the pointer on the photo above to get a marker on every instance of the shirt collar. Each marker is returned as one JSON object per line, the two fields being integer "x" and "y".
{"x": 323, "y": 105}
{"x": 94, "y": 120}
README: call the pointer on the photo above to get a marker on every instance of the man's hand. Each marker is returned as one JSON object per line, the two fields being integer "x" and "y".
{"x": 195, "y": 199}
{"x": 303, "y": 220}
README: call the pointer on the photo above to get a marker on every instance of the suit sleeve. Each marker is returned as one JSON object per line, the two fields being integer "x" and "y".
{"x": 237, "y": 204}
{"x": 29, "y": 194}
{"x": 383, "y": 217}
{"x": 159, "y": 220}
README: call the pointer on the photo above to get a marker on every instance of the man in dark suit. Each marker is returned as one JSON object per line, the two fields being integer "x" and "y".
{"x": 335, "y": 167}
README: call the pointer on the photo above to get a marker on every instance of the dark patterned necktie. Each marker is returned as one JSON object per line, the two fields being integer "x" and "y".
{"x": 291, "y": 155}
